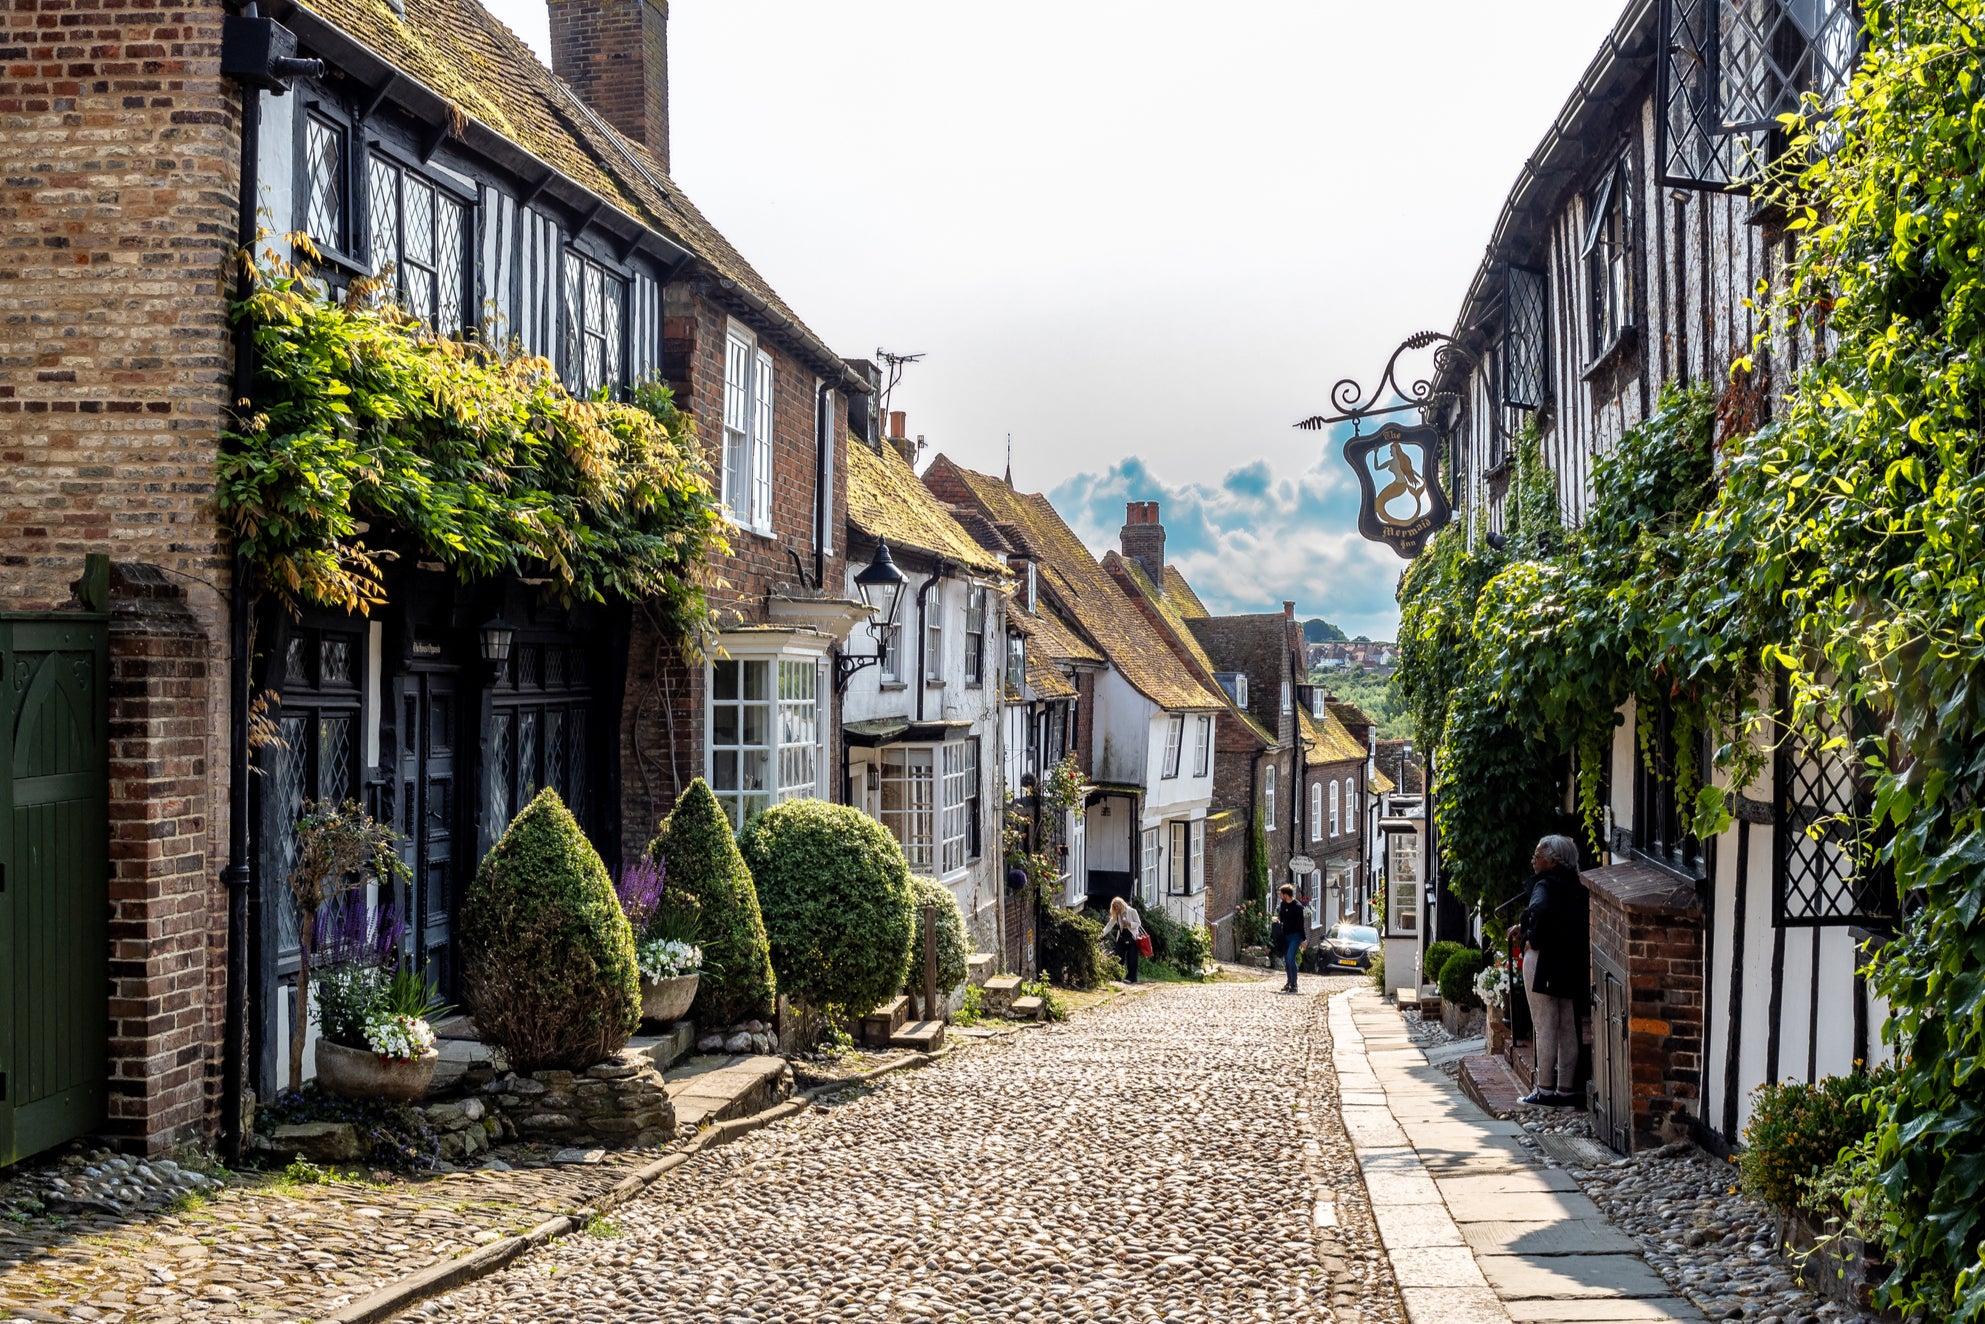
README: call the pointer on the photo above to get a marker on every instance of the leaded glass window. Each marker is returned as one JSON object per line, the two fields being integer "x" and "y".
{"x": 595, "y": 300}
{"x": 324, "y": 182}
{"x": 417, "y": 235}
{"x": 1608, "y": 254}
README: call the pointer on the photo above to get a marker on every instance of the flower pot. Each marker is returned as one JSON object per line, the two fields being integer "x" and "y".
{"x": 360, "y": 1073}
{"x": 667, "y": 1000}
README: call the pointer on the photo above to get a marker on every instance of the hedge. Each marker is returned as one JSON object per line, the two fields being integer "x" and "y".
{"x": 697, "y": 847}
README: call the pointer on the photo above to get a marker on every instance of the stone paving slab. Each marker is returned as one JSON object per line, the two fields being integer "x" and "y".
{"x": 1476, "y": 1230}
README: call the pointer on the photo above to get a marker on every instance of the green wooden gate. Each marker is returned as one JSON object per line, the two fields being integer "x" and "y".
{"x": 54, "y": 879}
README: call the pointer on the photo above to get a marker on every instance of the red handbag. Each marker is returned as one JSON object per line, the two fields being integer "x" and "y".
{"x": 1144, "y": 944}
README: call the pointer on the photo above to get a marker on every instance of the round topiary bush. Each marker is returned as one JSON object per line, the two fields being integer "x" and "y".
{"x": 547, "y": 956}
{"x": 1437, "y": 958}
{"x": 836, "y": 898}
{"x": 1457, "y": 981}
{"x": 954, "y": 942}
{"x": 697, "y": 846}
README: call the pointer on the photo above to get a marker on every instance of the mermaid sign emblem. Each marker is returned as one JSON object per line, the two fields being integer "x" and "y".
{"x": 1398, "y": 470}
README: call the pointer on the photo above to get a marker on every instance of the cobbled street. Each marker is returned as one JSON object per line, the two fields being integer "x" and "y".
{"x": 1176, "y": 1155}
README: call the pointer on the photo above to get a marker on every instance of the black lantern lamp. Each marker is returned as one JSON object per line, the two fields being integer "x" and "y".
{"x": 497, "y": 636}
{"x": 881, "y": 585}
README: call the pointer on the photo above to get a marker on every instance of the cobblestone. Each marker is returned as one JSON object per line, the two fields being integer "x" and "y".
{"x": 1176, "y": 1155}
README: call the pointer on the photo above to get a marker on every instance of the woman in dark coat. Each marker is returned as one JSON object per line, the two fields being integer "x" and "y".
{"x": 1554, "y": 932}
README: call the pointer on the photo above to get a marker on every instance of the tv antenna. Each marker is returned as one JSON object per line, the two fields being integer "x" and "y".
{"x": 895, "y": 363}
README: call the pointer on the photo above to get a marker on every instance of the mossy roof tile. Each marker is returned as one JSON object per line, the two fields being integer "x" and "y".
{"x": 887, "y": 500}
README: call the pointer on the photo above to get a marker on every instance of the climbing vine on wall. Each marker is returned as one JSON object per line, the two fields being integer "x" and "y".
{"x": 362, "y": 429}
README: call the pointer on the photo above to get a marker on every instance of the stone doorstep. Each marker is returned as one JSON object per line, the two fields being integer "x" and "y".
{"x": 884, "y": 1021}
{"x": 999, "y": 995}
{"x": 1491, "y": 1084}
{"x": 718, "y": 1089}
{"x": 1028, "y": 1009}
{"x": 919, "y": 1036}
{"x": 666, "y": 1047}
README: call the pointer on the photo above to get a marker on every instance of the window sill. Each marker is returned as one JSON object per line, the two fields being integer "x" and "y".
{"x": 933, "y": 684}
{"x": 891, "y": 685}
{"x": 1623, "y": 344}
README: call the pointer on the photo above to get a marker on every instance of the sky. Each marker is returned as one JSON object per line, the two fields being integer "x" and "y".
{"x": 1141, "y": 239}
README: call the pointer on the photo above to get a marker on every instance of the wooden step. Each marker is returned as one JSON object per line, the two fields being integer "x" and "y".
{"x": 1027, "y": 1009}
{"x": 884, "y": 1021}
{"x": 924, "y": 1036}
{"x": 1000, "y": 991}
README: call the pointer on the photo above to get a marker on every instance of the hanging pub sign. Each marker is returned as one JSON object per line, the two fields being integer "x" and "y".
{"x": 1401, "y": 503}
{"x": 1400, "y": 499}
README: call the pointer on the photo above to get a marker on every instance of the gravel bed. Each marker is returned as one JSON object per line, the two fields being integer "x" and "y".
{"x": 1176, "y": 1155}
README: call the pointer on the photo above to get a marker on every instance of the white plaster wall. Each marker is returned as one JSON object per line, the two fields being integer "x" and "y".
{"x": 275, "y": 175}
{"x": 1123, "y": 722}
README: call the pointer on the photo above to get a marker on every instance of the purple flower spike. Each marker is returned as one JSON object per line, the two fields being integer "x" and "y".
{"x": 640, "y": 889}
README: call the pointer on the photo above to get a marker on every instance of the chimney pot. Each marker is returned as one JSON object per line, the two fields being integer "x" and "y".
{"x": 1289, "y": 610}
{"x": 899, "y": 423}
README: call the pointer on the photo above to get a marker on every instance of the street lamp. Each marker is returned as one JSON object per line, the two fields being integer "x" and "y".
{"x": 881, "y": 586}
{"x": 497, "y": 635}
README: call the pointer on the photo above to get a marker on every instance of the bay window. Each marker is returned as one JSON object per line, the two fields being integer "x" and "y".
{"x": 930, "y": 803}
{"x": 765, "y": 733}
{"x": 747, "y": 475}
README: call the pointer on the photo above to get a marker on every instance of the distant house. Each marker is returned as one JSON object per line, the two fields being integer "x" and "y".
{"x": 1335, "y": 763}
{"x": 1144, "y": 720}
{"x": 921, "y": 725}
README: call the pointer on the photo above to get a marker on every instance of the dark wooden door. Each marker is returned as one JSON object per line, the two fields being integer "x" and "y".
{"x": 432, "y": 812}
{"x": 54, "y": 881}
{"x": 1612, "y": 1077}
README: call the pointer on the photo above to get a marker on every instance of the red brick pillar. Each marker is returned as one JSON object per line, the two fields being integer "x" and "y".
{"x": 168, "y": 921}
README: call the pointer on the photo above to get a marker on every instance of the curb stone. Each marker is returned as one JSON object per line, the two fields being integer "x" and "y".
{"x": 436, "y": 1279}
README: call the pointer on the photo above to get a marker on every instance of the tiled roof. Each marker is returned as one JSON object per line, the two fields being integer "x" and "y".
{"x": 1381, "y": 783}
{"x": 1046, "y": 680}
{"x": 1167, "y": 606}
{"x": 1051, "y": 636}
{"x": 887, "y": 500}
{"x": 1326, "y": 741}
{"x": 1184, "y": 600}
{"x": 1085, "y": 592}
{"x": 463, "y": 54}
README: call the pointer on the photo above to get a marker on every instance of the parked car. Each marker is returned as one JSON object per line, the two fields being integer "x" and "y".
{"x": 1347, "y": 947}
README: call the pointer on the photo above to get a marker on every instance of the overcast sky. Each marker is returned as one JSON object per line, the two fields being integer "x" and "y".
{"x": 1142, "y": 238}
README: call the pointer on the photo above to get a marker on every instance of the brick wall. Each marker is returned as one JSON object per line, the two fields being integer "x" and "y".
{"x": 168, "y": 921}
{"x": 662, "y": 718}
{"x": 117, "y": 212}
{"x": 615, "y": 54}
{"x": 1648, "y": 924}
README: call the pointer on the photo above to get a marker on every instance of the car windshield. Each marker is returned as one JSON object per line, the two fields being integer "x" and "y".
{"x": 1354, "y": 933}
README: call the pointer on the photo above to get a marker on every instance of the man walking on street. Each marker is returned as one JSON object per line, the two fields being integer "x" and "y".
{"x": 1292, "y": 932}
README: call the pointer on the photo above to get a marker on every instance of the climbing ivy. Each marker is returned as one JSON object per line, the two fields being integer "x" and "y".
{"x": 362, "y": 429}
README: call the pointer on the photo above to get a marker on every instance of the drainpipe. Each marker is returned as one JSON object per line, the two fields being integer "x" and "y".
{"x": 823, "y": 438}
{"x": 237, "y": 876}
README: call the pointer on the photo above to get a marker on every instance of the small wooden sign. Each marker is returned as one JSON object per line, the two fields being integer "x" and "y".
{"x": 1401, "y": 503}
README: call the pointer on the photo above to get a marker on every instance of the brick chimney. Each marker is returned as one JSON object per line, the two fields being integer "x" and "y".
{"x": 899, "y": 427}
{"x": 1143, "y": 538}
{"x": 615, "y": 54}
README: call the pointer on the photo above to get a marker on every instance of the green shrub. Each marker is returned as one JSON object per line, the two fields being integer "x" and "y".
{"x": 1377, "y": 970}
{"x": 1192, "y": 948}
{"x": 1164, "y": 931}
{"x": 1457, "y": 981}
{"x": 954, "y": 943}
{"x": 1053, "y": 1008}
{"x": 1797, "y": 1131}
{"x": 1070, "y": 947}
{"x": 696, "y": 845}
{"x": 836, "y": 898}
{"x": 547, "y": 956}
{"x": 1436, "y": 958}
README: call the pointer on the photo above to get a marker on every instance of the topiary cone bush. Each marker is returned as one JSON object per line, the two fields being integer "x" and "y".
{"x": 1437, "y": 958}
{"x": 697, "y": 845}
{"x": 836, "y": 898}
{"x": 547, "y": 956}
{"x": 954, "y": 941}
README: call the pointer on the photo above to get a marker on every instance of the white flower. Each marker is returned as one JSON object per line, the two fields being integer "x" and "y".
{"x": 662, "y": 959}
{"x": 398, "y": 1038}
{"x": 1492, "y": 985}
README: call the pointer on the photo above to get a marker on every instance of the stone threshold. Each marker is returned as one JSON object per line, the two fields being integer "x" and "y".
{"x": 1476, "y": 1230}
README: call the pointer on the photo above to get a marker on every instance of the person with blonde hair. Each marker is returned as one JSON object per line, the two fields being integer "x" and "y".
{"x": 1128, "y": 926}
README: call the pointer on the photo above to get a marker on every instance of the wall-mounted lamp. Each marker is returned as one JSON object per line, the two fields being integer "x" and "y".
{"x": 880, "y": 584}
{"x": 497, "y": 636}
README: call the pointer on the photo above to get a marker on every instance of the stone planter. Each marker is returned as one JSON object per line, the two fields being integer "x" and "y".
{"x": 1498, "y": 1032}
{"x": 667, "y": 1000}
{"x": 360, "y": 1073}
{"x": 1463, "y": 1022}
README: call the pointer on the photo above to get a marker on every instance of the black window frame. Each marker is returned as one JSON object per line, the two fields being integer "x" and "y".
{"x": 975, "y": 639}
{"x": 578, "y": 330}
{"x": 383, "y": 155}
{"x": 1661, "y": 832}
{"x": 339, "y": 251}
{"x": 1607, "y": 256}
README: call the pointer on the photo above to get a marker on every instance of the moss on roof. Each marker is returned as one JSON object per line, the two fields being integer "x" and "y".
{"x": 1086, "y": 592}
{"x": 1326, "y": 740}
{"x": 1046, "y": 680}
{"x": 1183, "y": 599}
{"x": 1382, "y": 783}
{"x": 462, "y": 53}
{"x": 1167, "y": 606}
{"x": 887, "y": 500}
{"x": 1051, "y": 636}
